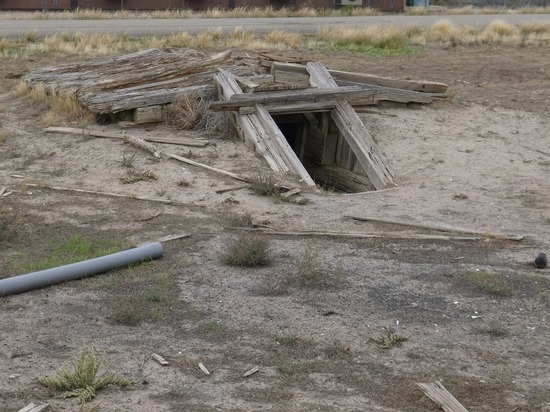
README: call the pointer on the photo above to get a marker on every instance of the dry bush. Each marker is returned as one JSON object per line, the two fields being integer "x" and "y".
{"x": 499, "y": 29}
{"x": 534, "y": 28}
{"x": 21, "y": 88}
{"x": 185, "y": 111}
{"x": 247, "y": 251}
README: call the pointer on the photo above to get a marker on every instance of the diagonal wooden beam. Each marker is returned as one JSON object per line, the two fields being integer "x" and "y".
{"x": 354, "y": 131}
{"x": 261, "y": 130}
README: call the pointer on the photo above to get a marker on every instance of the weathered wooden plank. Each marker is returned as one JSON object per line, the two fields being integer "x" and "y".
{"x": 133, "y": 69}
{"x": 311, "y": 95}
{"x": 441, "y": 228}
{"x": 437, "y": 393}
{"x": 357, "y": 235}
{"x": 213, "y": 169}
{"x": 354, "y": 131}
{"x": 278, "y": 69}
{"x": 150, "y": 114}
{"x": 98, "y": 133}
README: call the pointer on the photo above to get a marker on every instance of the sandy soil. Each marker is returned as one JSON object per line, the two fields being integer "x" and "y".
{"x": 478, "y": 160}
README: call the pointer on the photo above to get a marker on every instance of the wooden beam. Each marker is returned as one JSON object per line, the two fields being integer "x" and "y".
{"x": 311, "y": 95}
{"x": 437, "y": 393}
{"x": 297, "y": 75}
{"x": 312, "y": 107}
{"x": 354, "y": 131}
{"x": 424, "y": 86}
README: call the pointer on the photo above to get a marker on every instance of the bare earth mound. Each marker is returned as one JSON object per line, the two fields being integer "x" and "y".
{"x": 473, "y": 314}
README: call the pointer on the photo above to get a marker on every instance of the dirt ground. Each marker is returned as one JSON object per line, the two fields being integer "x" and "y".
{"x": 479, "y": 159}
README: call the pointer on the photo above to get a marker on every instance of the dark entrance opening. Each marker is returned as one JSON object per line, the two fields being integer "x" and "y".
{"x": 326, "y": 156}
{"x": 74, "y": 4}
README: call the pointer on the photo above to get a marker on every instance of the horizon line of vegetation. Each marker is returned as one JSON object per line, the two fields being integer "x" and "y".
{"x": 256, "y": 12}
{"x": 373, "y": 39}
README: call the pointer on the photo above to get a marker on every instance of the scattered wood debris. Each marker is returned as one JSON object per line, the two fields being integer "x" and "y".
{"x": 160, "y": 359}
{"x": 437, "y": 393}
{"x": 251, "y": 372}
{"x": 323, "y": 137}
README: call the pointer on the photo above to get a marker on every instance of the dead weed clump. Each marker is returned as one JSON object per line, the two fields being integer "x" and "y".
{"x": 309, "y": 271}
{"x": 247, "y": 251}
{"x": 134, "y": 176}
{"x": 185, "y": 111}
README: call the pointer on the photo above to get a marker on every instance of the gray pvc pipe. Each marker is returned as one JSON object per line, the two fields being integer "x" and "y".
{"x": 43, "y": 278}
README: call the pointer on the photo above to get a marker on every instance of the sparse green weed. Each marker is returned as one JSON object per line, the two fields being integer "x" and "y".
{"x": 490, "y": 283}
{"x": 264, "y": 184}
{"x": 231, "y": 219}
{"x": 247, "y": 251}
{"x": 389, "y": 339}
{"x": 83, "y": 382}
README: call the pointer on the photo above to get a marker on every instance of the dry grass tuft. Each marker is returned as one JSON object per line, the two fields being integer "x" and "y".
{"x": 65, "y": 109}
{"x": 283, "y": 38}
{"x": 382, "y": 37}
{"x": 500, "y": 28}
{"x": 264, "y": 184}
{"x": 37, "y": 93}
{"x": 21, "y": 88}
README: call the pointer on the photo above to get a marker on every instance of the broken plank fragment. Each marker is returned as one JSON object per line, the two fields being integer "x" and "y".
{"x": 31, "y": 407}
{"x": 290, "y": 193}
{"x": 440, "y": 395}
{"x": 160, "y": 359}
{"x": 354, "y": 131}
{"x": 204, "y": 369}
{"x": 251, "y": 371}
